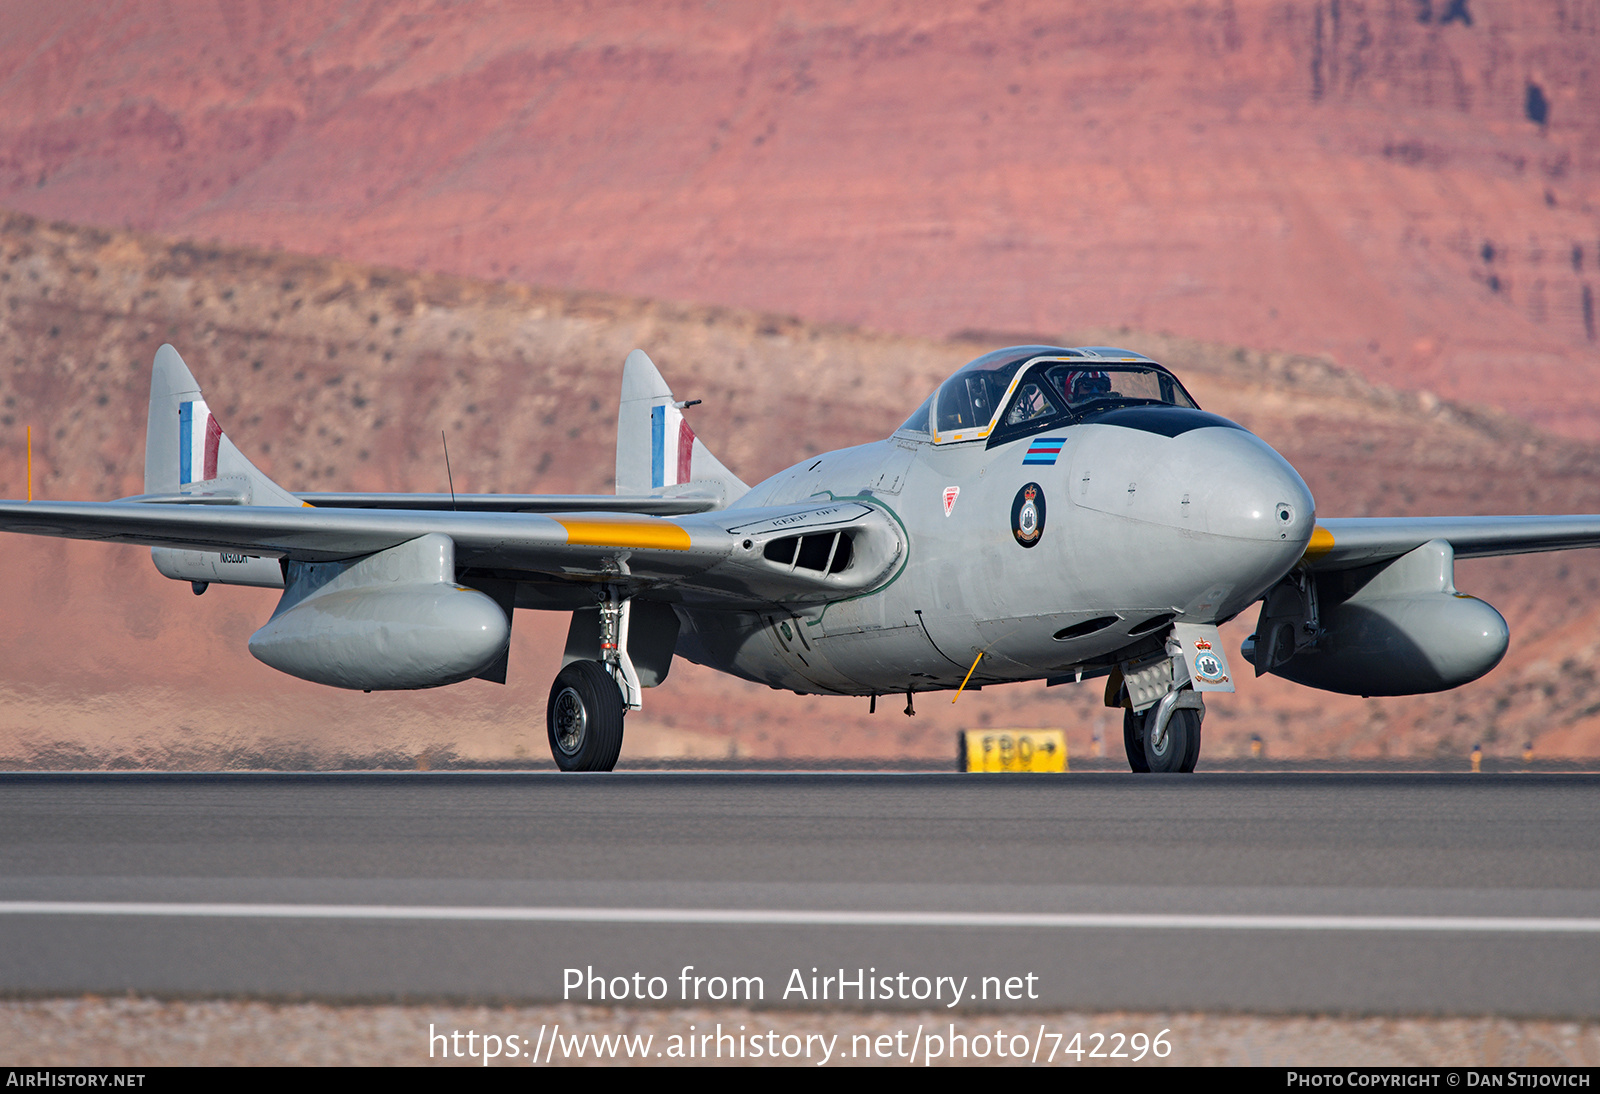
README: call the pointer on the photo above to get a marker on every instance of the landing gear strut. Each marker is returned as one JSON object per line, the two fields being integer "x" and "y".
{"x": 590, "y": 698}
{"x": 1162, "y": 701}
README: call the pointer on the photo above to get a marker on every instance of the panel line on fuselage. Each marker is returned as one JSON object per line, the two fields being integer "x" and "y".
{"x": 934, "y": 644}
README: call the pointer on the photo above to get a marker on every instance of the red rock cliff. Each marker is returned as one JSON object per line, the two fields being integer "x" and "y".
{"x": 1409, "y": 185}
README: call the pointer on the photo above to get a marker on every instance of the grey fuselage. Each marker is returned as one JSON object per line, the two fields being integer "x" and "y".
{"x": 1153, "y": 516}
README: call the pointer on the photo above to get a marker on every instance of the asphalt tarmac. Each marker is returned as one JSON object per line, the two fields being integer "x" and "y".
{"x": 1266, "y": 893}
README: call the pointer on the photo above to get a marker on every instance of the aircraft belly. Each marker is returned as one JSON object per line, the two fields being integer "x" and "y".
{"x": 1020, "y": 648}
{"x": 769, "y": 647}
{"x": 889, "y": 659}
{"x": 877, "y": 642}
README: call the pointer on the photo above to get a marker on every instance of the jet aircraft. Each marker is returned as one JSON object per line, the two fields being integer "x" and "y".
{"x": 1053, "y": 513}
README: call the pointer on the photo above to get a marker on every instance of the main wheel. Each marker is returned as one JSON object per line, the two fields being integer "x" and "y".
{"x": 1133, "y": 740}
{"x": 1181, "y": 746}
{"x": 584, "y": 717}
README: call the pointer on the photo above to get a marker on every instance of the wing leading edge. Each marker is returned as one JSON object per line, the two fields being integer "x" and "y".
{"x": 1345, "y": 542}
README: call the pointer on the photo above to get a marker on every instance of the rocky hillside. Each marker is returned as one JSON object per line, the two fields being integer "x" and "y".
{"x": 1410, "y": 186}
{"x": 337, "y": 375}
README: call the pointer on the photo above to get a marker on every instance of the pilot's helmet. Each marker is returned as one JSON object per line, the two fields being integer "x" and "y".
{"x": 1086, "y": 384}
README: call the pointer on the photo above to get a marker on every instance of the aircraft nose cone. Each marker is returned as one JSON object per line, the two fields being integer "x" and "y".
{"x": 1245, "y": 490}
{"x": 1205, "y": 520}
{"x": 1253, "y": 511}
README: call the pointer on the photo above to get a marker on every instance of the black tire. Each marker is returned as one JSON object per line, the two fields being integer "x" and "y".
{"x": 1181, "y": 748}
{"x": 1133, "y": 741}
{"x": 1193, "y": 757}
{"x": 584, "y": 718}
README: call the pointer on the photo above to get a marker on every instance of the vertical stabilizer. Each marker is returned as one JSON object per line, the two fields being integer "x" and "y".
{"x": 185, "y": 450}
{"x": 657, "y": 452}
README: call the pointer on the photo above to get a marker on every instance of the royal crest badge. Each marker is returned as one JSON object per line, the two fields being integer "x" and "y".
{"x": 1027, "y": 514}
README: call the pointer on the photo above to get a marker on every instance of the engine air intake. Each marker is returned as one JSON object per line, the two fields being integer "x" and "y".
{"x": 827, "y": 552}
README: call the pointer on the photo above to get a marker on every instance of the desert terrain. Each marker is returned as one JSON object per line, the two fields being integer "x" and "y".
{"x": 336, "y": 375}
{"x": 1409, "y": 186}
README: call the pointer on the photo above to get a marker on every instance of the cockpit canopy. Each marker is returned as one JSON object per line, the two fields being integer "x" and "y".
{"x": 1013, "y": 392}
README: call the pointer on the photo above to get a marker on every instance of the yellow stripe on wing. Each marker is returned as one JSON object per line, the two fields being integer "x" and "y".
{"x": 1321, "y": 543}
{"x": 640, "y": 532}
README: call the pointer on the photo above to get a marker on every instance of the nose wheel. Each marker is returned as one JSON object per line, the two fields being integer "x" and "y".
{"x": 584, "y": 718}
{"x": 1177, "y": 750}
{"x": 1133, "y": 741}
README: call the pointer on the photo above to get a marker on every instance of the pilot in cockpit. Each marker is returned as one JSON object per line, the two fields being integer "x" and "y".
{"x": 1086, "y": 385}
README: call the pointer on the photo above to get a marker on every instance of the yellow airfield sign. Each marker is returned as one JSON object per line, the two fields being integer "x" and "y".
{"x": 1011, "y": 750}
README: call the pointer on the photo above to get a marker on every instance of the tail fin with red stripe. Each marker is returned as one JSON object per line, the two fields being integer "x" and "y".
{"x": 186, "y": 455}
{"x": 657, "y": 452}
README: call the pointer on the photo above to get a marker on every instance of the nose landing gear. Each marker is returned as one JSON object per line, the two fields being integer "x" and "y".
{"x": 1133, "y": 742}
{"x": 1174, "y": 747}
{"x": 1161, "y": 698}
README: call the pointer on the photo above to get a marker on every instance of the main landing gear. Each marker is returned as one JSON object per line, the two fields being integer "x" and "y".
{"x": 584, "y": 717}
{"x": 589, "y": 698}
{"x": 1172, "y": 747}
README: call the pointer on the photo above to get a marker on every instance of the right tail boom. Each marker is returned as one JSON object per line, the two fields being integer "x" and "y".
{"x": 189, "y": 460}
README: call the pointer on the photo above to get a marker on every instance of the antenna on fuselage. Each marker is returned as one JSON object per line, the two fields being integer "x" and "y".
{"x": 448, "y": 477}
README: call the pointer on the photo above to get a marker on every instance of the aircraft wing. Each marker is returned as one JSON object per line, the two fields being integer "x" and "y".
{"x": 811, "y": 552}
{"x": 1343, "y": 543}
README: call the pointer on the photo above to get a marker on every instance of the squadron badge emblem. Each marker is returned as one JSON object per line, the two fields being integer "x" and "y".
{"x": 1027, "y": 514}
{"x": 1206, "y": 664}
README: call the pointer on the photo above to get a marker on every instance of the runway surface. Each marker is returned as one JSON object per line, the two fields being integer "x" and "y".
{"x": 1399, "y": 894}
